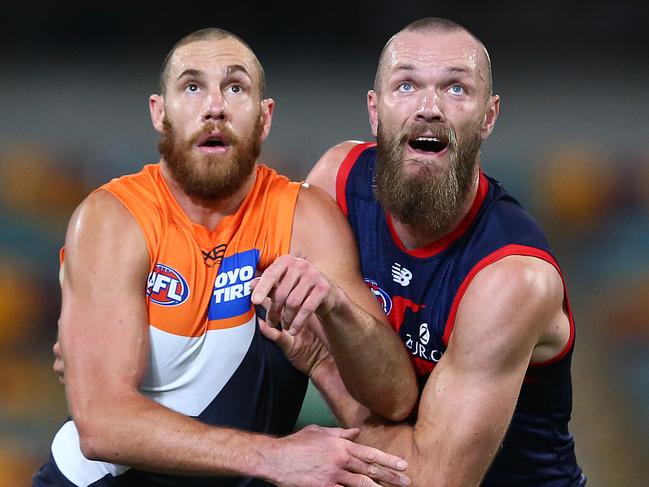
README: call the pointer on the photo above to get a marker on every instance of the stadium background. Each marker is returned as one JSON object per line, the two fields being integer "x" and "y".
{"x": 572, "y": 143}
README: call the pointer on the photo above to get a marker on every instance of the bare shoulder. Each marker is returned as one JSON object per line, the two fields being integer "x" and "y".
{"x": 99, "y": 210}
{"x": 509, "y": 304}
{"x": 101, "y": 231}
{"x": 325, "y": 170}
{"x": 518, "y": 277}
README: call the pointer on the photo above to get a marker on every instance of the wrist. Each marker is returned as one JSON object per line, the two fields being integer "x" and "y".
{"x": 323, "y": 369}
{"x": 270, "y": 466}
{"x": 333, "y": 305}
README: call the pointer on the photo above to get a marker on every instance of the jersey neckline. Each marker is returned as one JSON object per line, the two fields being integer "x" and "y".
{"x": 203, "y": 235}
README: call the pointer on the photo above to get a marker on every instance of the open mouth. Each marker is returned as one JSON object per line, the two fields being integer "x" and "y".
{"x": 213, "y": 142}
{"x": 431, "y": 144}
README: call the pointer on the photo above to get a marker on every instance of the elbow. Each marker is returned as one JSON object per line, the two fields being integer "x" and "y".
{"x": 90, "y": 448}
{"x": 398, "y": 406}
{"x": 93, "y": 437}
{"x": 90, "y": 443}
{"x": 400, "y": 410}
{"x": 405, "y": 402}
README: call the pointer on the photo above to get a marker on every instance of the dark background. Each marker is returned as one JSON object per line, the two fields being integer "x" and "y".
{"x": 572, "y": 143}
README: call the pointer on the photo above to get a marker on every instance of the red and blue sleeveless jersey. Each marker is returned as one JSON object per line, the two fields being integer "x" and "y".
{"x": 421, "y": 290}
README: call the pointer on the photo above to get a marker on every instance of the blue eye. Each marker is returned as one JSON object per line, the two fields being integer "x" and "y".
{"x": 406, "y": 87}
{"x": 192, "y": 87}
{"x": 235, "y": 88}
{"x": 457, "y": 89}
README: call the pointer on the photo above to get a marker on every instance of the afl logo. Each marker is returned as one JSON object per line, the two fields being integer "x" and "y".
{"x": 166, "y": 287}
{"x": 381, "y": 295}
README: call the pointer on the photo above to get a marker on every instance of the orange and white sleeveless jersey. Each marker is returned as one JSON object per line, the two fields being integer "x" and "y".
{"x": 198, "y": 289}
{"x": 207, "y": 357}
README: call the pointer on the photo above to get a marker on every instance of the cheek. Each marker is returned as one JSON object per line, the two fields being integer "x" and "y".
{"x": 465, "y": 117}
{"x": 397, "y": 111}
{"x": 187, "y": 108}
{"x": 245, "y": 115}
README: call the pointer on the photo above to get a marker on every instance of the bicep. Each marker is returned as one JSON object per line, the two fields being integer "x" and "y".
{"x": 103, "y": 314}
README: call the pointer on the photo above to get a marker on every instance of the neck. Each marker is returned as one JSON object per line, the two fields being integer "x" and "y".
{"x": 413, "y": 237}
{"x": 207, "y": 213}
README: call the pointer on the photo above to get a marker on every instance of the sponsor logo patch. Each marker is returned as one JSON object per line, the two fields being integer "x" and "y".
{"x": 382, "y": 297}
{"x": 231, "y": 294}
{"x": 419, "y": 346}
{"x": 166, "y": 287}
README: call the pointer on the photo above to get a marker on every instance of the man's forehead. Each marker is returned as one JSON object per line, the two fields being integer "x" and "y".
{"x": 214, "y": 53}
{"x": 436, "y": 49}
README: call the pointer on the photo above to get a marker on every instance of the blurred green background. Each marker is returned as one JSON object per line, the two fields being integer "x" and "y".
{"x": 572, "y": 143}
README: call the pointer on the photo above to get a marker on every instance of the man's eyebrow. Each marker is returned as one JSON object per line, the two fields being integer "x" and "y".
{"x": 235, "y": 68}
{"x": 405, "y": 67}
{"x": 458, "y": 69}
{"x": 196, "y": 73}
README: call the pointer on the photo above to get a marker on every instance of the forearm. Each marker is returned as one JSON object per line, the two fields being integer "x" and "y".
{"x": 347, "y": 410}
{"x": 393, "y": 437}
{"x": 453, "y": 442}
{"x": 371, "y": 359}
{"x": 433, "y": 460}
{"x": 138, "y": 432}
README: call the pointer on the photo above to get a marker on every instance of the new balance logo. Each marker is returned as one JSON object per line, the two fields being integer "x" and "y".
{"x": 401, "y": 275}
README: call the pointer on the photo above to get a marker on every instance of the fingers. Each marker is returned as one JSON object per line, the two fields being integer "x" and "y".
{"x": 295, "y": 288}
{"x": 273, "y": 334}
{"x": 377, "y": 465}
{"x": 346, "y": 433}
{"x": 289, "y": 294}
{"x": 282, "y": 339}
{"x": 263, "y": 285}
{"x": 372, "y": 455}
{"x": 375, "y": 472}
{"x": 317, "y": 296}
{"x": 357, "y": 480}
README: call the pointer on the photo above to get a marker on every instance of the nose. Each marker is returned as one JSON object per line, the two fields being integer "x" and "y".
{"x": 215, "y": 107}
{"x": 429, "y": 109}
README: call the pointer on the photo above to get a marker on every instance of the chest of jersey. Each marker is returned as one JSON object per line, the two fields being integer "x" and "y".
{"x": 193, "y": 288}
{"x": 415, "y": 296}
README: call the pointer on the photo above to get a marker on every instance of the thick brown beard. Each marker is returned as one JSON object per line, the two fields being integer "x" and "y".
{"x": 210, "y": 177}
{"x": 427, "y": 201}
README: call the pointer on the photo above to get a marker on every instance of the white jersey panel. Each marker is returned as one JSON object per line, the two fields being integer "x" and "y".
{"x": 66, "y": 451}
{"x": 186, "y": 373}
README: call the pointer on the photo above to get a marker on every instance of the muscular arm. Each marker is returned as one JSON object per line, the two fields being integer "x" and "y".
{"x": 370, "y": 356}
{"x": 469, "y": 399}
{"x": 330, "y": 245}
{"x": 364, "y": 346}
{"x": 104, "y": 342}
